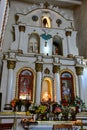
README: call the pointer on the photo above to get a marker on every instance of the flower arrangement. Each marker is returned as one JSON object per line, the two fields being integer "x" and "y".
{"x": 42, "y": 112}
{"x": 65, "y": 110}
{"x": 72, "y": 109}
{"x": 33, "y": 108}
{"x": 17, "y": 102}
{"x": 41, "y": 109}
{"x": 79, "y": 104}
{"x": 14, "y": 101}
{"x": 72, "y": 113}
{"x": 57, "y": 110}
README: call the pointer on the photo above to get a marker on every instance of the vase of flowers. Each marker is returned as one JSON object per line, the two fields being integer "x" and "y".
{"x": 42, "y": 112}
{"x": 57, "y": 111}
{"x": 73, "y": 113}
{"x": 16, "y": 104}
{"x": 65, "y": 112}
{"x": 79, "y": 104}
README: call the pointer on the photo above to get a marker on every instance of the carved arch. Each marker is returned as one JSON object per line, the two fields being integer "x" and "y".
{"x": 57, "y": 45}
{"x": 47, "y": 90}
{"x": 67, "y": 86}
{"x": 33, "y": 43}
{"x": 25, "y": 82}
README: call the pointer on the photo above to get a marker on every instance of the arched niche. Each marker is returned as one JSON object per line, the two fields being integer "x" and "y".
{"x": 47, "y": 90}
{"x": 67, "y": 87}
{"x": 25, "y": 84}
{"x": 33, "y": 44}
{"x": 46, "y": 22}
{"x": 57, "y": 45}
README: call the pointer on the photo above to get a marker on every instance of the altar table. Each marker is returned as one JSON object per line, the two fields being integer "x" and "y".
{"x": 45, "y": 127}
{"x": 16, "y": 117}
{"x": 48, "y": 125}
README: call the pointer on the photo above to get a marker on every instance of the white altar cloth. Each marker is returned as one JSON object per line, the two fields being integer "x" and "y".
{"x": 46, "y": 127}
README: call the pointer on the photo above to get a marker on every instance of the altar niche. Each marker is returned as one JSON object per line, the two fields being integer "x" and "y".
{"x": 67, "y": 87}
{"x": 25, "y": 85}
{"x": 47, "y": 90}
{"x": 46, "y": 22}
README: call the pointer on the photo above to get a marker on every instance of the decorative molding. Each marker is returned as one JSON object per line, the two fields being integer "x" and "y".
{"x": 4, "y": 24}
{"x": 16, "y": 18}
{"x": 59, "y": 22}
{"x": 35, "y": 18}
{"x": 46, "y": 36}
{"x": 70, "y": 55}
{"x": 46, "y": 4}
{"x": 46, "y": 71}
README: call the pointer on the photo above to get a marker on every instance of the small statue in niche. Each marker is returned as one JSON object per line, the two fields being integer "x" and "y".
{"x": 45, "y": 23}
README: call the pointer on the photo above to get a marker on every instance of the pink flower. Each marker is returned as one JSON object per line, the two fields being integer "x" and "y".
{"x": 57, "y": 110}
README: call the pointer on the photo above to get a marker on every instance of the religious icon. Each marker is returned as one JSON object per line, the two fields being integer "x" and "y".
{"x": 66, "y": 92}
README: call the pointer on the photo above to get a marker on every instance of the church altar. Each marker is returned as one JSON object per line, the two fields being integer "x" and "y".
{"x": 16, "y": 117}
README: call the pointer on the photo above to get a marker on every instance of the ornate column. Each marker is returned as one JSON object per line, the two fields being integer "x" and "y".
{"x": 79, "y": 72}
{"x": 68, "y": 35}
{"x": 57, "y": 96}
{"x": 39, "y": 68}
{"x": 10, "y": 66}
{"x": 21, "y": 37}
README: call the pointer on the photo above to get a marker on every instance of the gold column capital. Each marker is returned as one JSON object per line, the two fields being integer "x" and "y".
{"x": 79, "y": 70}
{"x": 39, "y": 67}
{"x": 22, "y": 28}
{"x": 56, "y": 69}
{"x": 11, "y": 64}
{"x": 68, "y": 33}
